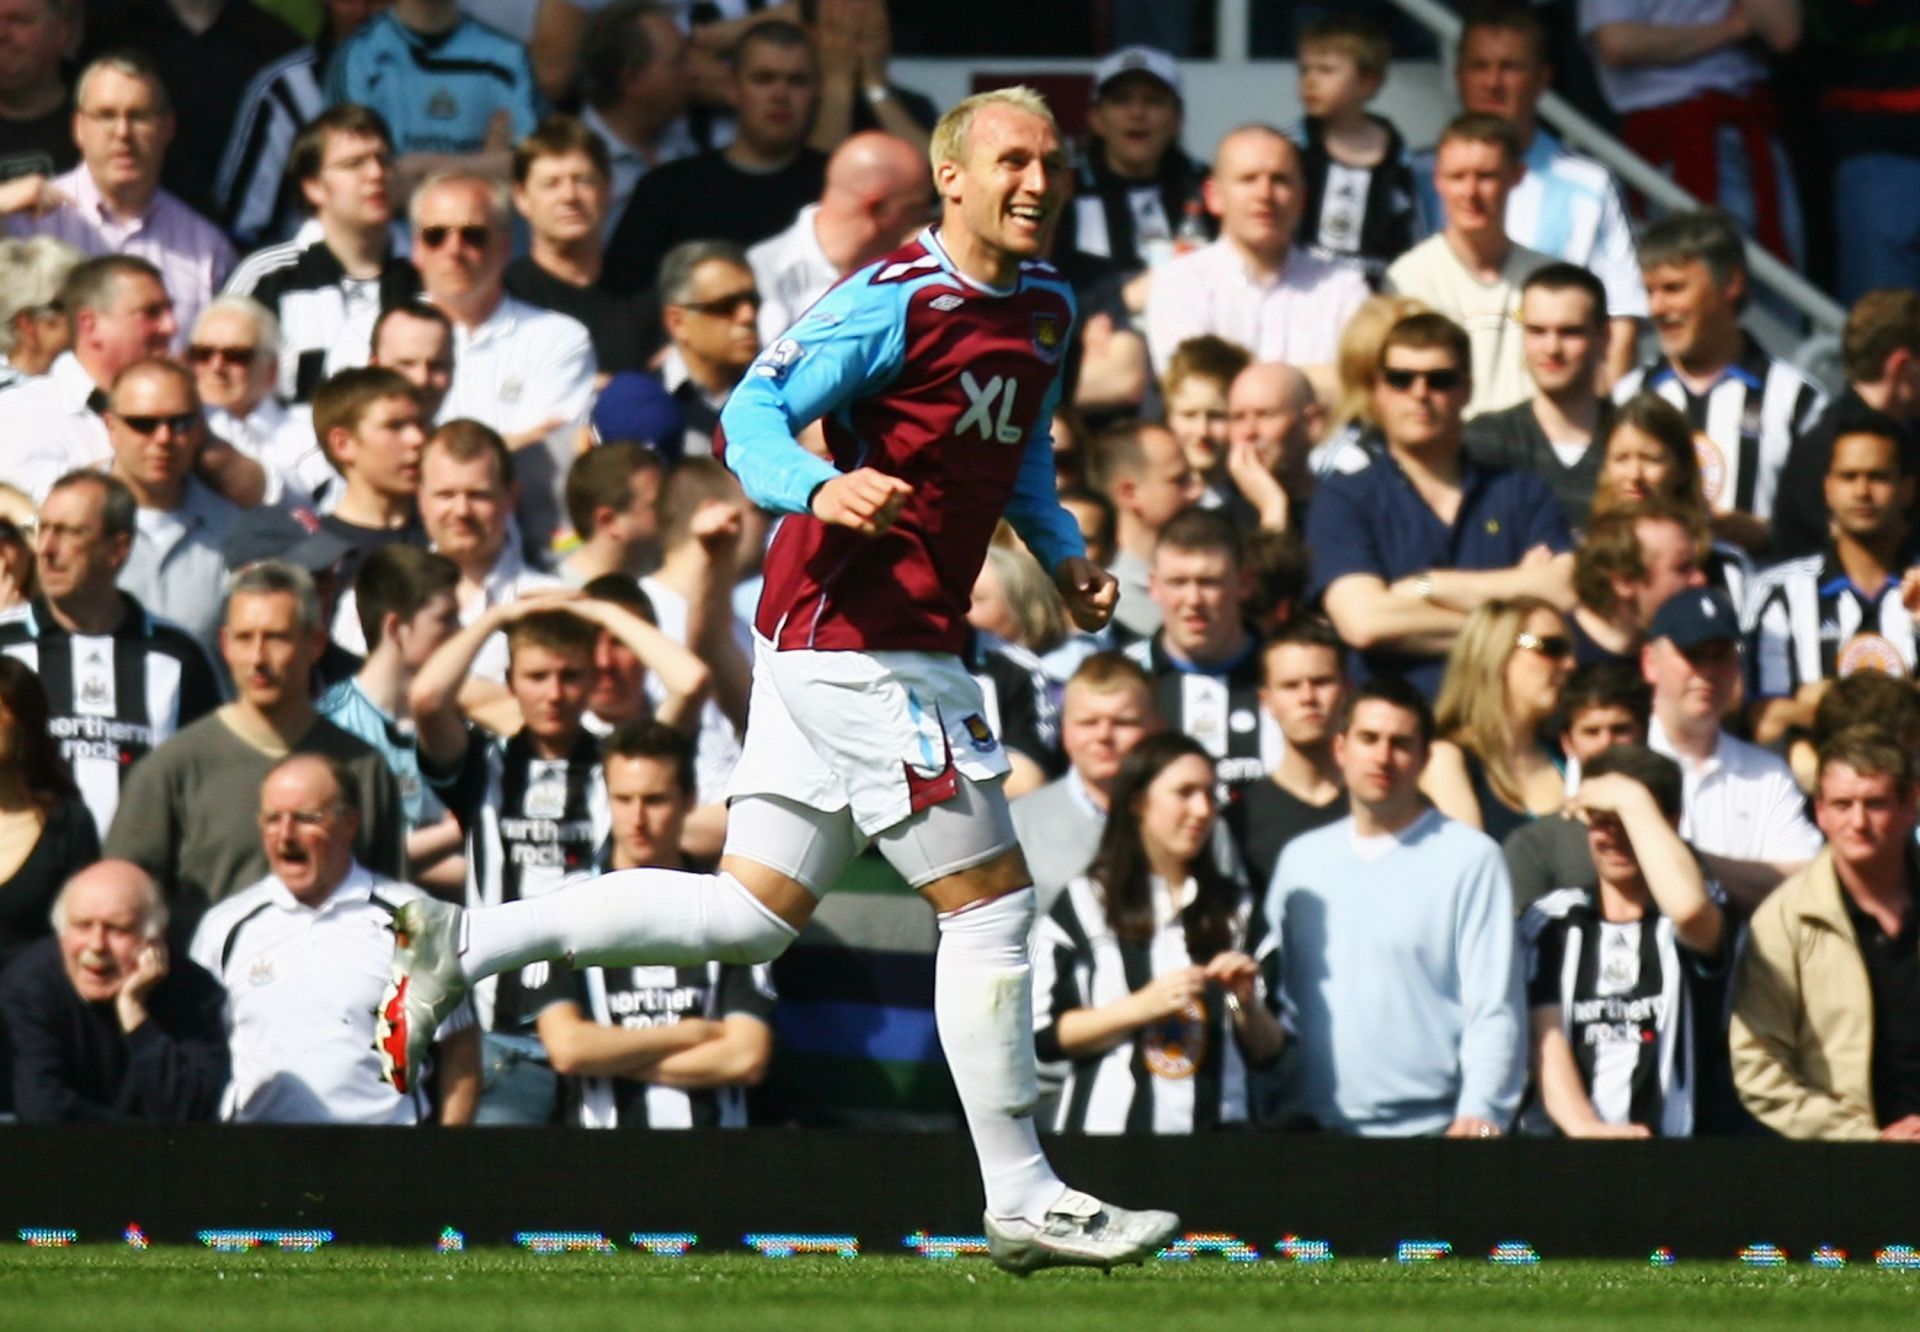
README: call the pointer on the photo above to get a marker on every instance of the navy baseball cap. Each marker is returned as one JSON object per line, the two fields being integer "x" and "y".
{"x": 295, "y": 535}
{"x": 637, "y": 407}
{"x": 1695, "y": 616}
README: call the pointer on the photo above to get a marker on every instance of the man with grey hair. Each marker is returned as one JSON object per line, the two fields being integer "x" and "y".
{"x": 178, "y": 817}
{"x": 525, "y": 372}
{"x": 105, "y": 1026}
{"x": 710, "y": 306}
{"x": 112, "y": 202}
{"x": 34, "y": 330}
{"x": 235, "y": 355}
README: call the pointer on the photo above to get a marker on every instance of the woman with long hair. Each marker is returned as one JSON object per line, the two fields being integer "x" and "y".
{"x": 1140, "y": 980}
{"x": 1490, "y": 768}
{"x": 46, "y": 833}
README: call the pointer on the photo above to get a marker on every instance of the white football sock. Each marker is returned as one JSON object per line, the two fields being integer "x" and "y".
{"x": 639, "y": 917}
{"x": 983, "y": 1005}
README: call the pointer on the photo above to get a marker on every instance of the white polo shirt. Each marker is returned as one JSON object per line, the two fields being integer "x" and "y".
{"x": 1741, "y": 803}
{"x": 1296, "y": 316}
{"x": 302, "y": 985}
{"x": 48, "y": 429}
{"x": 792, "y": 272}
{"x": 281, "y": 440}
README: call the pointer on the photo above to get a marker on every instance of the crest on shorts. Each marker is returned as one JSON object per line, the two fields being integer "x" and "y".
{"x": 980, "y": 734}
{"x": 1869, "y": 652}
{"x": 1175, "y": 1047}
{"x": 1049, "y": 335}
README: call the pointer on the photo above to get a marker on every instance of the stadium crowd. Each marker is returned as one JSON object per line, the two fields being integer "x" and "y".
{"x": 1507, "y": 724}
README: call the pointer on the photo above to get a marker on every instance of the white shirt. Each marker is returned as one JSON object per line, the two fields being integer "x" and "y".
{"x": 792, "y": 272}
{"x": 1741, "y": 803}
{"x": 717, "y": 748}
{"x": 47, "y": 429}
{"x": 1488, "y": 311}
{"x": 302, "y": 984}
{"x": 1296, "y": 316}
{"x": 281, "y": 440}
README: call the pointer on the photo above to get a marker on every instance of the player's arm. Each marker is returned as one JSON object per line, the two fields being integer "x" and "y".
{"x": 737, "y": 1057}
{"x": 577, "y": 1046}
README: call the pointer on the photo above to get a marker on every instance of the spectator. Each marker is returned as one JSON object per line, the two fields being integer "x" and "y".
{"x": 1621, "y": 978}
{"x": 1252, "y": 286}
{"x": 235, "y": 355}
{"x": 34, "y": 330}
{"x": 1820, "y": 1042}
{"x": 36, "y": 118}
{"x": 456, "y": 94}
{"x": 1866, "y": 698}
{"x": 1744, "y": 813}
{"x": 1135, "y": 188}
{"x": 1471, "y": 272}
{"x": 744, "y": 192}
{"x": 1166, "y": 1047}
{"x": 711, "y": 308}
{"x": 1194, "y": 390}
{"x": 1105, "y": 710}
{"x": 1631, "y": 560}
{"x": 370, "y": 425}
{"x": 1304, "y": 682}
{"x": 522, "y": 371}
{"x": 1693, "y": 100}
{"x": 206, "y": 53}
{"x": 112, "y": 203}
{"x": 304, "y": 955}
{"x": 1362, "y": 206}
{"x": 633, "y": 83}
{"x": 1273, "y": 417}
{"x": 1880, "y": 356}
{"x": 1406, "y": 547}
{"x": 46, "y": 833}
{"x": 104, "y": 1026}
{"x": 561, "y": 182}
{"x": 640, "y": 1048}
{"x": 177, "y": 818}
{"x": 415, "y": 341}
{"x": 1821, "y": 617}
{"x": 1490, "y": 769}
{"x": 641, "y": 675}
{"x": 611, "y": 492}
{"x": 875, "y": 199}
{"x": 177, "y": 560}
{"x": 404, "y": 599}
{"x": 1095, "y": 514}
{"x": 1861, "y": 55}
{"x": 1014, "y": 687}
{"x": 854, "y": 41}
{"x": 1746, "y": 408}
{"x": 1563, "y": 325}
{"x": 1015, "y": 601}
{"x": 87, "y": 529}
{"x": 328, "y": 288}
{"x": 1204, "y": 664}
{"x": 1601, "y": 706}
{"x": 1142, "y": 470}
{"x": 1351, "y": 421}
{"x": 1564, "y": 205}
{"x": 1398, "y": 987}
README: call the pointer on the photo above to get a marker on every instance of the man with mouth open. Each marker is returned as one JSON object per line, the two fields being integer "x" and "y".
{"x": 934, "y": 372}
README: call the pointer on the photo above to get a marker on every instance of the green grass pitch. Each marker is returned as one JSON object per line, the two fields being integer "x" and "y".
{"x": 96, "y": 1287}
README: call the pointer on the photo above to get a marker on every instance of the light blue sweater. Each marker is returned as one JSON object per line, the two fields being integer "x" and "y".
{"x": 1399, "y": 987}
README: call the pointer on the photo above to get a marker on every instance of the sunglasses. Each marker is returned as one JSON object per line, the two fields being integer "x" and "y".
{"x": 721, "y": 306}
{"x": 474, "y": 238}
{"x": 201, "y": 354}
{"x": 181, "y": 424}
{"x": 1557, "y": 646}
{"x": 1440, "y": 381}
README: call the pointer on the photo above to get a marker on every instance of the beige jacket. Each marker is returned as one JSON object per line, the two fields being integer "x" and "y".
{"x": 1803, "y": 1014}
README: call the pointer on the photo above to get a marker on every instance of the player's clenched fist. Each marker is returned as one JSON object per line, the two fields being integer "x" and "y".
{"x": 1090, "y": 592}
{"x": 866, "y": 500}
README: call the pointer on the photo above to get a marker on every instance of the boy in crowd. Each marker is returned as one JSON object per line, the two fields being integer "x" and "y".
{"x": 1194, "y": 389}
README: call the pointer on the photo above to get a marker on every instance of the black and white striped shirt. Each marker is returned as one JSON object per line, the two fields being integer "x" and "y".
{"x": 326, "y": 318}
{"x": 112, "y": 698}
{"x": 249, "y": 191}
{"x": 1019, "y": 703}
{"x": 530, "y": 823}
{"x": 1219, "y": 707}
{"x": 1806, "y": 621}
{"x": 1744, "y": 426}
{"x": 1181, "y": 1075}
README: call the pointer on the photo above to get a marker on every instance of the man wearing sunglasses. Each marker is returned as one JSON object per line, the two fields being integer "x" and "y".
{"x": 1406, "y": 547}
{"x": 235, "y": 356}
{"x": 711, "y": 312}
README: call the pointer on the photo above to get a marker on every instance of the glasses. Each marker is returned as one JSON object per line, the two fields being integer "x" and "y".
{"x": 474, "y": 238}
{"x": 179, "y": 424}
{"x": 1557, "y": 646}
{"x": 1440, "y": 381}
{"x": 201, "y": 354}
{"x": 113, "y": 119}
{"x": 301, "y": 818}
{"x": 722, "y": 306}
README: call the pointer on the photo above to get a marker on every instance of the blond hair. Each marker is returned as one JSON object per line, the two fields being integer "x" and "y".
{"x": 1473, "y": 709}
{"x": 1359, "y": 358}
{"x": 1030, "y": 595}
{"x": 949, "y": 142}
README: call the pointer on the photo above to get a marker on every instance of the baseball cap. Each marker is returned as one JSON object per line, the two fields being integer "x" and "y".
{"x": 1148, "y": 60}
{"x": 294, "y": 535}
{"x": 637, "y": 407}
{"x": 1695, "y": 616}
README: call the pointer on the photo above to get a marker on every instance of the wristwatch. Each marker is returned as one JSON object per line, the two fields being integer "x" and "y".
{"x": 1423, "y": 587}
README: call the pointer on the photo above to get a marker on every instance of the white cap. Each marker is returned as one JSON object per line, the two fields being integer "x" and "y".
{"x": 1147, "y": 60}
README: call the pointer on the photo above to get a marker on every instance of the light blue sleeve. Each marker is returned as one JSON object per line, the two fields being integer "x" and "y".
{"x": 851, "y": 341}
{"x": 1492, "y": 1052}
{"x": 1050, "y": 532}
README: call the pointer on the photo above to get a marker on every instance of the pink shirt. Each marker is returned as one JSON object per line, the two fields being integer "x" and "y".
{"x": 191, "y": 253}
{"x": 1296, "y": 317}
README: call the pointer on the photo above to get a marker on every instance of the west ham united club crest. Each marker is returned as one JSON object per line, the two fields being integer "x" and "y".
{"x": 1049, "y": 335}
{"x": 980, "y": 734}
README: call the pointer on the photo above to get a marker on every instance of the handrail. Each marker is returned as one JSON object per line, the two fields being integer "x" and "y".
{"x": 1822, "y": 311}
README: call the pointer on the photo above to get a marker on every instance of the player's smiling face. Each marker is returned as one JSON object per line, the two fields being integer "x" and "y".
{"x": 1009, "y": 191}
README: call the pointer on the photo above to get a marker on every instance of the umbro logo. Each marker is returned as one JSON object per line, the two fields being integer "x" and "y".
{"x": 947, "y": 303}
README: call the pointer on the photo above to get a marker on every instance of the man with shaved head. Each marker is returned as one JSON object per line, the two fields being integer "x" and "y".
{"x": 104, "y": 1025}
{"x": 1272, "y": 421}
{"x": 1253, "y": 286}
{"x": 878, "y": 194}
{"x": 303, "y": 955}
